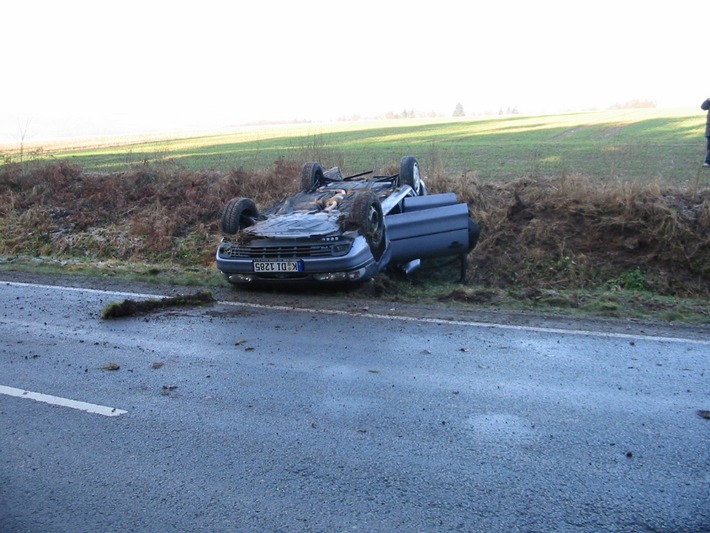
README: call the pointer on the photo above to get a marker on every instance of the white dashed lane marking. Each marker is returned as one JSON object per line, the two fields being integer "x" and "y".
{"x": 63, "y": 402}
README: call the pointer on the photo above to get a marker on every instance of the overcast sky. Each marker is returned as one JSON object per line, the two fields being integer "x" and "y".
{"x": 93, "y": 67}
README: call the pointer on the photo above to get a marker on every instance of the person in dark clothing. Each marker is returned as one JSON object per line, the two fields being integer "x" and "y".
{"x": 705, "y": 106}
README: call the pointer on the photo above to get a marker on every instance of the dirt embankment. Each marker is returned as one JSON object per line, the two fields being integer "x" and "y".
{"x": 572, "y": 233}
{"x": 537, "y": 233}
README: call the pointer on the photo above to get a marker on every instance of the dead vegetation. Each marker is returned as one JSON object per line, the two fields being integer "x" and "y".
{"x": 538, "y": 235}
{"x": 575, "y": 233}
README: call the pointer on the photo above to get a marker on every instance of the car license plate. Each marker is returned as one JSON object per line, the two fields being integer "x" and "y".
{"x": 278, "y": 266}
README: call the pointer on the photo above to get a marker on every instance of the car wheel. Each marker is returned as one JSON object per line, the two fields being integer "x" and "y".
{"x": 239, "y": 213}
{"x": 311, "y": 176}
{"x": 409, "y": 174}
{"x": 367, "y": 214}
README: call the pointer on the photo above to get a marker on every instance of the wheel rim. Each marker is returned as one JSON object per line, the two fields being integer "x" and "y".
{"x": 375, "y": 228}
{"x": 416, "y": 178}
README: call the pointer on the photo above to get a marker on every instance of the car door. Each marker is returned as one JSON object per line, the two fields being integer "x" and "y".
{"x": 436, "y": 225}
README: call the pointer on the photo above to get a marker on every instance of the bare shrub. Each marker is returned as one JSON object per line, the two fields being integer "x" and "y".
{"x": 264, "y": 187}
{"x": 575, "y": 233}
{"x": 315, "y": 148}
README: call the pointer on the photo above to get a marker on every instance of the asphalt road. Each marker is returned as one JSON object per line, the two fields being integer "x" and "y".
{"x": 248, "y": 417}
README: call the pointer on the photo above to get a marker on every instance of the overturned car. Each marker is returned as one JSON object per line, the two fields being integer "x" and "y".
{"x": 344, "y": 229}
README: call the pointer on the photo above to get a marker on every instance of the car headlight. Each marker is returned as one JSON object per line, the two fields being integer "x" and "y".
{"x": 330, "y": 276}
{"x": 241, "y": 278}
{"x": 355, "y": 275}
{"x": 341, "y": 248}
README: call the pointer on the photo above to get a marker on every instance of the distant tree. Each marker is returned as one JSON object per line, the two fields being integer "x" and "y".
{"x": 458, "y": 111}
{"x": 634, "y": 104}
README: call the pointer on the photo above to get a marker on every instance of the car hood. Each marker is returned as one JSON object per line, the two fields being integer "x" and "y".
{"x": 293, "y": 225}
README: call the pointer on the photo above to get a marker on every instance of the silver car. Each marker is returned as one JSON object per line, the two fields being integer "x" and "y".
{"x": 344, "y": 229}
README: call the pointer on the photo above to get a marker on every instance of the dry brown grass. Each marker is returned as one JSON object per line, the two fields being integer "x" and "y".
{"x": 576, "y": 233}
{"x": 540, "y": 233}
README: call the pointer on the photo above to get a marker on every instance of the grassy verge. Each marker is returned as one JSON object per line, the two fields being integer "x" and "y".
{"x": 600, "y": 302}
{"x": 159, "y": 274}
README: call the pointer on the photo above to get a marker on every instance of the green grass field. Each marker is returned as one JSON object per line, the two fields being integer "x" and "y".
{"x": 639, "y": 144}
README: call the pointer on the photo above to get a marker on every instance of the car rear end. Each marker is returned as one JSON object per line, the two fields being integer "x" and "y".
{"x": 331, "y": 258}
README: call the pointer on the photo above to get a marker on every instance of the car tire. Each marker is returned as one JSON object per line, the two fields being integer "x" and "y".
{"x": 409, "y": 174}
{"x": 311, "y": 176}
{"x": 367, "y": 215}
{"x": 239, "y": 213}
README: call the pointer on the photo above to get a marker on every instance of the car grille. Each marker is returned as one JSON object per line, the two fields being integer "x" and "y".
{"x": 281, "y": 252}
